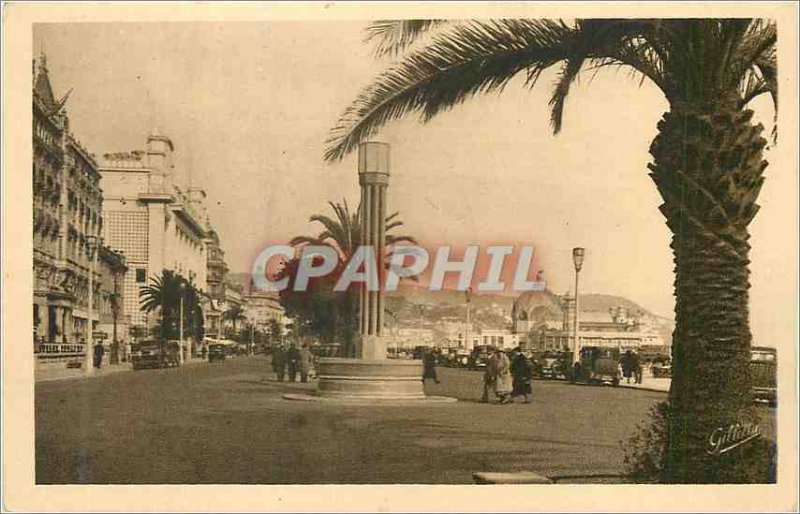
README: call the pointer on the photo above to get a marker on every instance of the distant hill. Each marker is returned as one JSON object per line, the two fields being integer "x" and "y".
{"x": 488, "y": 310}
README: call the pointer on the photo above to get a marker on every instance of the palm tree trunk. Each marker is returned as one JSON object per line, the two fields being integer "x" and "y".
{"x": 708, "y": 166}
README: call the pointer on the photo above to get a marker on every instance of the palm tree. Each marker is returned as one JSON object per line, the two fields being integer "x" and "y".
{"x": 707, "y": 165}
{"x": 343, "y": 232}
{"x": 332, "y": 315}
{"x": 164, "y": 293}
{"x": 234, "y": 314}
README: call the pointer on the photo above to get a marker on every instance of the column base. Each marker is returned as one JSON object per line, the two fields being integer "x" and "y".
{"x": 372, "y": 348}
{"x": 368, "y": 380}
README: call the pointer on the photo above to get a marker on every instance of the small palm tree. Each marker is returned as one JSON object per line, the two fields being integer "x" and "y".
{"x": 234, "y": 314}
{"x": 326, "y": 313}
{"x": 343, "y": 232}
{"x": 707, "y": 165}
{"x": 164, "y": 294}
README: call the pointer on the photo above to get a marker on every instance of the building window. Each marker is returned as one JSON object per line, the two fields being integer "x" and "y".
{"x": 141, "y": 275}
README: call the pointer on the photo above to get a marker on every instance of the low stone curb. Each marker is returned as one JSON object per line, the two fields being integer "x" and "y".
{"x": 370, "y": 401}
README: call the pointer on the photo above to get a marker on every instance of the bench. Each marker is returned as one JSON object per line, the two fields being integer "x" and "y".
{"x": 521, "y": 477}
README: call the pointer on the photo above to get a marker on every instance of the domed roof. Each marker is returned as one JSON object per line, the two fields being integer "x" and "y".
{"x": 529, "y": 300}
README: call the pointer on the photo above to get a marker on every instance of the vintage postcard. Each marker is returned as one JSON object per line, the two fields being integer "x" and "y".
{"x": 336, "y": 256}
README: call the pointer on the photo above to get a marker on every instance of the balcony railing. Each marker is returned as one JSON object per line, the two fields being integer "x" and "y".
{"x": 58, "y": 348}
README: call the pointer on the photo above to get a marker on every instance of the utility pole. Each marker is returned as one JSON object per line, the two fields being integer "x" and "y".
{"x": 577, "y": 258}
{"x": 88, "y": 363}
{"x": 469, "y": 322}
{"x": 180, "y": 329}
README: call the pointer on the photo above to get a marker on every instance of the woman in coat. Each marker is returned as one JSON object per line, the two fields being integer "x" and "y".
{"x": 305, "y": 363}
{"x": 522, "y": 371}
{"x": 503, "y": 384}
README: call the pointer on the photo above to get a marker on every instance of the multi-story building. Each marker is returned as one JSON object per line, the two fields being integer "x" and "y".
{"x": 216, "y": 272}
{"x": 112, "y": 325}
{"x": 157, "y": 225}
{"x": 262, "y": 307}
{"x": 217, "y": 268}
{"x": 67, "y": 225}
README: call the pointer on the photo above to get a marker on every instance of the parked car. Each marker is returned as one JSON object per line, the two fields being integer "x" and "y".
{"x": 661, "y": 367}
{"x": 151, "y": 353}
{"x": 478, "y": 357}
{"x": 216, "y": 352}
{"x": 550, "y": 365}
{"x": 460, "y": 358}
{"x": 597, "y": 365}
{"x": 764, "y": 373}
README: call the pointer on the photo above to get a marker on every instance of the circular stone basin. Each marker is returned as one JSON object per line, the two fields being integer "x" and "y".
{"x": 370, "y": 379}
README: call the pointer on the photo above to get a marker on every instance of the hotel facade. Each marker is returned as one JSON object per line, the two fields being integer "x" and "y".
{"x": 157, "y": 225}
{"x": 68, "y": 224}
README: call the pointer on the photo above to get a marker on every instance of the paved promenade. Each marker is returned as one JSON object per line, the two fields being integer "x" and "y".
{"x": 227, "y": 423}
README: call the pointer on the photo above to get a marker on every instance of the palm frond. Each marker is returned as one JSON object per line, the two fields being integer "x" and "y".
{"x": 569, "y": 72}
{"x": 390, "y": 239}
{"x": 393, "y": 36}
{"x": 303, "y": 240}
{"x": 333, "y": 229}
{"x": 470, "y": 59}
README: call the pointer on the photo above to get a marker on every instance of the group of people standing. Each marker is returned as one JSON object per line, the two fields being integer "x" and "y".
{"x": 293, "y": 361}
{"x": 507, "y": 377}
{"x": 631, "y": 366}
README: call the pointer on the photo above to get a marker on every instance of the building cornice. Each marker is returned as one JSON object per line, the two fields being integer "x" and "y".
{"x": 183, "y": 213}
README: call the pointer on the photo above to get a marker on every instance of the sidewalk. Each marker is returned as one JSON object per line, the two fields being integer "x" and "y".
{"x": 62, "y": 373}
{"x": 660, "y": 385}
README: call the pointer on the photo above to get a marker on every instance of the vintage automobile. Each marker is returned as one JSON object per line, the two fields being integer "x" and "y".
{"x": 764, "y": 373}
{"x": 478, "y": 358}
{"x": 151, "y": 353}
{"x": 661, "y": 369}
{"x": 217, "y": 352}
{"x": 550, "y": 365}
{"x": 597, "y": 365}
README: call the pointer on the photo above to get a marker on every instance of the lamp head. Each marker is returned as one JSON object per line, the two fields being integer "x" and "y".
{"x": 577, "y": 257}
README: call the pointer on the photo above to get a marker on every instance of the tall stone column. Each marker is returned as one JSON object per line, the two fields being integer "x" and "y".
{"x": 373, "y": 176}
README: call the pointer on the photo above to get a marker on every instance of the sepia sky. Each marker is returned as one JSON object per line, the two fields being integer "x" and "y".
{"x": 249, "y": 106}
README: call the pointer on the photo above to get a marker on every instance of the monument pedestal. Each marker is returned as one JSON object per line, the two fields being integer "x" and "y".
{"x": 371, "y": 348}
{"x": 370, "y": 379}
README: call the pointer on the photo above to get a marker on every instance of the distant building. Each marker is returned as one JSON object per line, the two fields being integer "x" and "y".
{"x": 544, "y": 322}
{"x": 67, "y": 223}
{"x": 217, "y": 267}
{"x": 113, "y": 324}
{"x": 156, "y": 224}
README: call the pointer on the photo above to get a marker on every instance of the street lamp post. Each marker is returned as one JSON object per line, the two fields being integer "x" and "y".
{"x": 180, "y": 328}
{"x": 88, "y": 363}
{"x": 468, "y": 295}
{"x": 577, "y": 259}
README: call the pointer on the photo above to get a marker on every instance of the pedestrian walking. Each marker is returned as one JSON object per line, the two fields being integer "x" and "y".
{"x": 279, "y": 362}
{"x": 293, "y": 362}
{"x": 522, "y": 373}
{"x": 636, "y": 366}
{"x": 503, "y": 384}
{"x": 627, "y": 366}
{"x": 304, "y": 363}
{"x": 429, "y": 366}
{"x": 490, "y": 375}
{"x": 98, "y": 352}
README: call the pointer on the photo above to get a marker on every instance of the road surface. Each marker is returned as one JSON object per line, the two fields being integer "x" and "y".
{"x": 227, "y": 423}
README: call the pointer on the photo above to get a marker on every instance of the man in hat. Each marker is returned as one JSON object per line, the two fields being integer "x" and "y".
{"x": 490, "y": 375}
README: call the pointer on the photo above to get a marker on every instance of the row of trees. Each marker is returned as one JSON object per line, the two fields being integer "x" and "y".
{"x": 164, "y": 295}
